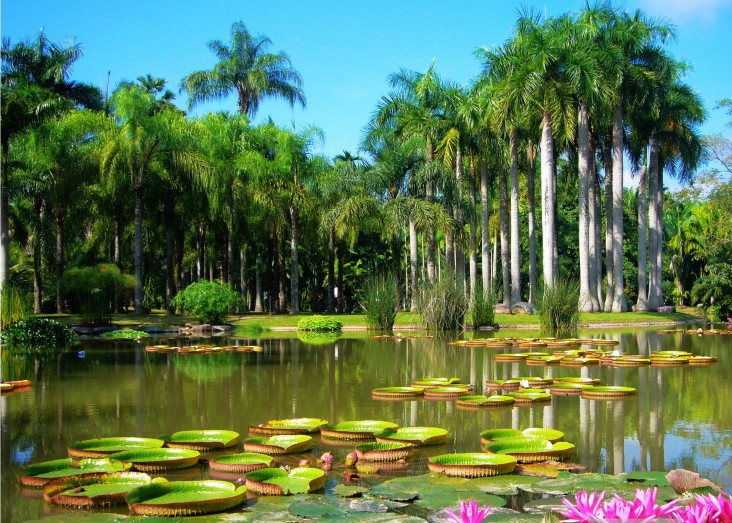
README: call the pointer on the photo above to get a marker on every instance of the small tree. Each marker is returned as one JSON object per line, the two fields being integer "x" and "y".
{"x": 380, "y": 300}
{"x": 91, "y": 291}
{"x": 208, "y": 302}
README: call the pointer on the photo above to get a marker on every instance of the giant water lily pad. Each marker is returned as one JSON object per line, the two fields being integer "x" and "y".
{"x": 240, "y": 463}
{"x": 529, "y": 450}
{"x": 355, "y": 430}
{"x": 451, "y": 497}
{"x": 155, "y": 460}
{"x": 279, "y": 444}
{"x": 504, "y": 485}
{"x": 382, "y": 451}
{"x": 607, "y": 392}
{"x": 572, "y": 483}
{"x": 97, "y": 491}
{"x": 289, "y": 426}
{"x": 279, "y": 482}
{"x": 529, "y": 398}
{"x": 484, "y": 402}
{"x": 38, "y": 474}
{"x": 416, "y": 436}
{"x": 184, "y": 498}
{"x": 397, "y": 392}
{"x": 436, "y": 382}
{"x": 552, "y": 435}
{"x": 446, "y": 393}
{"x": 472, "y": 464}
{"x": 102, "y": 447}
{"x": 202, "y": 439}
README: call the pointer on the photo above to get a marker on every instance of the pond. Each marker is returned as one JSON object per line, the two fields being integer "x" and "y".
{"x": 679, "y": 418}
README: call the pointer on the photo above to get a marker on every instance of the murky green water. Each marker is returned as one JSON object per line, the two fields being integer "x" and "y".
{"x": 680, "y": 417}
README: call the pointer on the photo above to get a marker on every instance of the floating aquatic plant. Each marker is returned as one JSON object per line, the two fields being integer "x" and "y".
{"x": 591, "y": 506}
{"x": 470, "y": 512}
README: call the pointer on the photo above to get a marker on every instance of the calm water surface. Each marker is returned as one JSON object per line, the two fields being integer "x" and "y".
{"x": 680, "y": 417}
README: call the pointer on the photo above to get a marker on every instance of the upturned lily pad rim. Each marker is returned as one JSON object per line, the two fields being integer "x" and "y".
{"x": 241, "y": 462}
{"x": 38, "y": 474}
{"x": 289, "y": 426}
{"x": 472, "y": 464}
{"x": 203, "y": 439}
{"x": 482, "y": 400}
{"x": 276, "y": 481}
{"x": 356, "y": 429}
{"x": 383, "y": 451}
{"x": 175, "y": 498}
{"x": 95, "y": 491}
{"x": 416, "y": 436}
{"x": 279, "y": 443}
{"x": 397, "y": 391}
{"x": 102, "y": 447}
{"x": 149, "y": 460}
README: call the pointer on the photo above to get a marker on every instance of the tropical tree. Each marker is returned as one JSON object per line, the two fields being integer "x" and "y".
{"x": 247, "y": 69}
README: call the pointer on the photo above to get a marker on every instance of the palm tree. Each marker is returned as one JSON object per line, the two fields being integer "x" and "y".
{"x": 35, "y": 84}
{"x": 247, "y": 69}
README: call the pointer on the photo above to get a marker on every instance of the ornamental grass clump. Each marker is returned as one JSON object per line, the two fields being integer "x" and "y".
{"x": 559, "y": 306}
{"x": 319, "y": 324}
{"x": 380, "y": 300}
{"x": 482, "y": 308}
{"x": 443, "y": 305}
{"x": 15, "y": 304}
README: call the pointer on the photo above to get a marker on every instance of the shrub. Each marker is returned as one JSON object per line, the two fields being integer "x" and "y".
{"x": 559, "y": 306}
{"x": 91, "y": 291}
{"x": 380, "y": 300}
{"x": 123, "y": 334}
{"x": 319, "y": 324}
{"x": 38, "y": 332}
{"x": 482, "y": 308}
{"x": 207, "y": 301}
{"x": 442, "y": 305}
{"x": 16, "y": 305}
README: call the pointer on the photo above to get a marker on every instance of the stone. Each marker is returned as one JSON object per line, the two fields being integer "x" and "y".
{"x": 502, "y": 308}
{"x": 667, "y": 309}
{"x": 523, "y": 307}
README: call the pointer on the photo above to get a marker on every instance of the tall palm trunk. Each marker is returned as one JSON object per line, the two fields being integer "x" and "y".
{"x": 659, "y": 228}
{"x": 429, "y": 196}
{"x": 505, "y": 247}
{"x": 243, "y": 269}
{"x": 548, "y": 223}
{"x": 531, "y": 189}
{"x": 413, "y": 263}
{"x": 515, "y": 251}
{"x": 595, "y": 250}
{"x": 449, "y": 252}
{"x": 642, "y": 303}
{"x": 460, "y": 219}
{"x": 655, "y": 295}
{"x": 619, "y": 302}
{"x": 583, "y": 169}
{"x": 331, "y": 268}
{"x": 473, "y": 228}
{"x": 59, "y": 222}
{"x": 4, "y": 222}
{"x": 294, "y": 269}
{"x": 169, "y": 257}
{"x": 609, "y": 272}
{"x": 485, "y": 240}
{"x": 258, "y": 284}
{"x": 138, "y": 250}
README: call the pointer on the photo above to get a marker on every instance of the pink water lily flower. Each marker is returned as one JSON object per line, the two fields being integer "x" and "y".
{"x": 588, "y": 507}
{"x": 470, "y": 512}
{"x": 719, "y": 507}
{"x": 643, "y": 508}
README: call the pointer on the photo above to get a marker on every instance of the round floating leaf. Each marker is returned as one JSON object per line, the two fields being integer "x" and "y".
{"x": 491, "y": 434}
{"x": 349, "y": 491}
{"x": 607, "y": 392}
{"x": 102, "y": 447}
{"x": 362, "y": 517}
{"x": 397, "y": 392}
{"x": 203, "y": 439}
{"x": 289, "y": 426}
{"x": 506, "y": 485}
{"x": 241, "y": 463}
{"x": 414, "y": 435}
{"x": 97, "y": 491}
{"x": 448, "y": 498}
{"x": 152, "y": 460}
{"x": 471, "y": 465}
{"x": 361, "y": 429}
{"x": 527, "y": 450}
{"x": 544, "y": 505}
{"x": 571, "y": 483}
{"x": 271, "y": 481}
{"x": 382, "y": 451}
{"x": 38, "y": 474}
{"x": 649, "y": 478}
{"x": 316, "y": 508}
{"x": 279, "y": 444}
{"x": 184, "y": 498}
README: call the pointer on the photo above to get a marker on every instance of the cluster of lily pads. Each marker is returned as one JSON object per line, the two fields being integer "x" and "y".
{"x": 203, "y": 349}
{"x": 15, "y": 386}
{"x": 698, "y": 331}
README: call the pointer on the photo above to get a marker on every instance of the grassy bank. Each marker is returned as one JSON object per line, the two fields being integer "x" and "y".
{"x": 404, "y": 320}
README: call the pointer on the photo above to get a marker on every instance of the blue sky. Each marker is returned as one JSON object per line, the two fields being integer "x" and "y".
{"x": 344, "y": 50}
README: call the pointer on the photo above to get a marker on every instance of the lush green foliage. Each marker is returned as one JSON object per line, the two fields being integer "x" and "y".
{"x": 715, "y": 289}
{"x": 319, "y": 324}
{"x": 443, "y": 305}
{"x": 38, "y": 332}
{"x": 123, "y": 334}
{"x": 91, "y": 291}
{"x": 482, "y": 308}
{"x": 559, "y": 306}
{"x": 16, "y": 305}
{"x": 208, "y": 302}
{"x": 380, "y": 300}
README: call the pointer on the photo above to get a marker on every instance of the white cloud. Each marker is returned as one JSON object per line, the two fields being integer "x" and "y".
{"x": 682, "y": 10}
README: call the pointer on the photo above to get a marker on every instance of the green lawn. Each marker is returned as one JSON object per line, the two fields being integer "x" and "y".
{"x": 404, "y": 320}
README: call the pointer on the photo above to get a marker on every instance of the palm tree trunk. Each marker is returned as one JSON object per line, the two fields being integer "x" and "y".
{"x": 294, "y": 269}
{"x": 642, "y": 303}
{"x": 460, "y": 219}
{"x": 169, "y": 259}
{"x": 659, "y": 228}
{"x": 429, "y": 196}
{"x": 201, "y": 249}
{"x": 413, "y": 262}
{"x": 515, "y": 250}
{"x": 473, "y": 228}
{"x": 341, "y": 291}
{"x": 655, "y": 294}
{"x": 548, "y": 224}
{"x": 583, "y": 170}
{"x": 37, "y": 259}
{"x": 4, "y": 222}
{"x": 595, "y": 251}
{"x": 485, "y": 240}
{"x": 531, "y": 189}
{"x": 58, "y": 220}
{"x": 229, "y": 257}
{"x": 619, "y": 303}
{"x": 258, "y": 284}
{"x": 138, "y": 250}
{"x": 609, "y": 272}
{"x": 331, "y": 268}
{"x": 504, "y": 226}
{"x": 449, "y": 252}
{"x": 243, "y": 268}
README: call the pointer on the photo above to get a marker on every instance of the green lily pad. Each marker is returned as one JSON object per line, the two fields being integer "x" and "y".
{"x": 279, "y": 444}
{"x": 552, "y": 435}
{"x": 397, "y": 392}
{"x": 202, "y": 439}
{"x": 505, "y": 485}
{"x": 650, "y": 478}
{"x": 82, "y": 517}
{"x": 102, "y": 447}
{"x": 448, "y": 498}
{"x": 607, "y": 392}
{"x": 316, "y": 508}
{"x": 481, "y": 401}
{"x": 97, "y": 491}
{"x": 362, "y": 429}
{"x": 363, "y": 517}
{"x": 153, "y": 460}
{"x": 528, "y": 450}
{"x": 544, "y": 505}
{"x": 38, "y": 474}
{"x": 435, "y": 382}
{"x": 414, "y": 435}
{"x": 289, "y": 426}
{"x": 278, "y": 482}
{"x": 349, "y": 491}
{"x": 518, "y": 518}
{"x": 572, "y": 483}
{"x": 382, "y": 451}
{"x": 241, "y": 463}
{"x": 184, "y": 498}
{"x": 491, "y": 434}
{"x": 472, "y": 464}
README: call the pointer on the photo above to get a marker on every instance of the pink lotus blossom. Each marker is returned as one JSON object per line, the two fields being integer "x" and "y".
{"x": 693, "y": 513}
{"x": 470, "y": 512}
{"x": 588, "y": 508}
{"x": 719, "y": 507}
